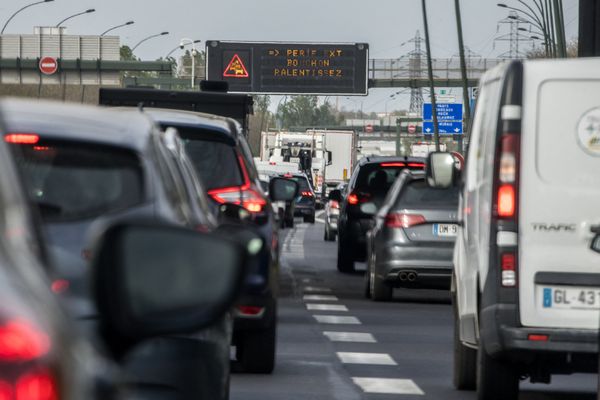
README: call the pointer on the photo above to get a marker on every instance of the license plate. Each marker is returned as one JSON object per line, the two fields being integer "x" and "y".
{"x": 572, "y": 298}
{"x": 445, "y": 229}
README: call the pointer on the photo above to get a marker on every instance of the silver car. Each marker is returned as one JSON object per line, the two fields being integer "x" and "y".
{"x": 413, "y": 238}
{"x": 332, "y": 215}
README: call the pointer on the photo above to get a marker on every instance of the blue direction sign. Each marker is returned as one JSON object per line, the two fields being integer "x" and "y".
{"x": 444, "y": 127}
{"x": 445, "y": 112}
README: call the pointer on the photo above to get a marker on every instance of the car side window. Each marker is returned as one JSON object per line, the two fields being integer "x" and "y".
{"x": 247, "y": 154}
{"x": 172, "y": 183}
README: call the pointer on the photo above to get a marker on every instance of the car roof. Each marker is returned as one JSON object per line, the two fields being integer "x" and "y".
{"x": 381, "y": 159}
{"x": 76, "y": 122}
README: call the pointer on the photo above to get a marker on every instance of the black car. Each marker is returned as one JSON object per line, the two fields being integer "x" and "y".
{"x": 412, "y": 242}
{"x": 368, "y": 186}
{"x": 43, "y": 356}
{"x": 90, "y": 167}
{"x": 305, "y": 204}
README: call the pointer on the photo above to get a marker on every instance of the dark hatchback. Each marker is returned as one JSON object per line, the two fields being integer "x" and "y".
{"x": 412, "y": 242}
{"x": 365, "y": 193}
{"x": 305, "y": 204}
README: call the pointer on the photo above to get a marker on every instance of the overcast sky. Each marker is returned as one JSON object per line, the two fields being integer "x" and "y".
{"x": 384, "y": 24}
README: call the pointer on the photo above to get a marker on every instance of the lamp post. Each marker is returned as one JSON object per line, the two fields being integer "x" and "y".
{"x": 182, "y": 44}
{"x": 148, "y": 38}
{"x": 21, "y": 9}
{"x": 436, "y": 134}
{"x": 117, "y": 27}
{"x": 88, "y": 11}
{"x": 178, "y": 47}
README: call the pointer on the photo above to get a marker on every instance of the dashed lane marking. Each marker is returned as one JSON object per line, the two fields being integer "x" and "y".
{"x": 366, "y": 358}
{"x": 356, "y": 337}
{"x": 388, "y": 386}
{"x": 319, "y": 297}
{"x": 316, "y": 289}
{"x": 326, "y": 307}
{"x": 336, "y": 319}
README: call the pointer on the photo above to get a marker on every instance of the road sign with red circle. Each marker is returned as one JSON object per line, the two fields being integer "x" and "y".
{"x": 48, "y": 65}
{"x": 369, "y": 128}
{"x": 412, "y": 128}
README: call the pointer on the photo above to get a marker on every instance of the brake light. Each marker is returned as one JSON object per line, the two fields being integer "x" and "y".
{"x": 21, "y": 138}
{"x": 508, "y": 265}
{"x": 416, "y": 165}
{"x": 506, "y": 201}
{"x": 401, "y": 220}
{"x": 507, "y": 176}
{"x": 334, "y": 204}
{"x": 392, "y": 164}
{"x": 39, "y": 385}
{"x": 537, "y": 338}
{"x": 20, "y": 341}
{"x": 250, "y": 311}
{"x": 307, "y": 194}
{"x": 353, "y": 199}
{"x": 241, "y": 195}
{"x": 5, "y": 391}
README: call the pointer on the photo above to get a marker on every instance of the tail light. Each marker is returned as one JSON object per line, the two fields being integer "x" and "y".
{"x": 24, "y": 347}
{"x": 508, "y": 265}
{"x": 307, "y": 194}
{"x": 250, "y": 311}
{"x": 334, "y": 204}
{"x": 21, "y": 138}
{"x": 354, "y": 198}
{"x": 507, "y": 176}
{"x": 243, "y": 195}
{"x": 401, "y": 220}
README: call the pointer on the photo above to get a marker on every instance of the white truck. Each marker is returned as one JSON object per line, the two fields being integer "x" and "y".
{"x": 341, "y": 145}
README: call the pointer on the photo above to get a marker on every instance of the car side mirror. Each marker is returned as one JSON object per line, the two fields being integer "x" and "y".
{"x": 282, "y": 189}
{"x": 152, "y": 280}
{"x": 440, "y": 170}
{"x": 335, "y": 195}
{"x": 596, "y": 244}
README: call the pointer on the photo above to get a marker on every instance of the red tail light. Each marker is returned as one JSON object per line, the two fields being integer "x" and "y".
{"x": 393, "y": 164}
{"x": 506, "y": 201}
{"x": 307, "y": 194}
{"x": 401, "y": 220}
{"x": 334, "y": 204}
{"x": 250, "y": 311}
{"x": 21, "y": 138}
{"x": 6, "y": 392}
{"x": 508, "y": 265}
{"x": 416, "y": 165}
{"x": 355, "y": 198}
{"x": 39, "y": 385}
{"x": 537, "y": 338}
{"x": 20, "y": 341}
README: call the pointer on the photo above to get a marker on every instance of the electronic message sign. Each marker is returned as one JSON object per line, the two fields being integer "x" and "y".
{"x": 289, "y": 68}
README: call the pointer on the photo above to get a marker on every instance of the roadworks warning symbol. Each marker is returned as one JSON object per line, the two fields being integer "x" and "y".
{"x": 236, "y": 68}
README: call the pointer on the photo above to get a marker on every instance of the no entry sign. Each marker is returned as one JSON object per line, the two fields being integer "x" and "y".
{"x": 48, "y": 65}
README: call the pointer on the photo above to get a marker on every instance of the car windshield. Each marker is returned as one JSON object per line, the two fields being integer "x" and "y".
{"x": 70, "y": 181}
{"x": 418, "y": 193}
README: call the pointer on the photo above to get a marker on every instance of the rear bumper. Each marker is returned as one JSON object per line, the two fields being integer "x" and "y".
{"x": 565, "y": 351}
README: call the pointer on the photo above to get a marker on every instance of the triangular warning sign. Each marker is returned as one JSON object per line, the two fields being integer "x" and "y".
{"x": 236, "y": 68}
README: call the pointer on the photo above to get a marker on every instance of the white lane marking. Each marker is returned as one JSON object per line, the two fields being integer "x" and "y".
{"x": 366, "y": 358}
{"x": 388, "y": 386}
{"x": 336, "y": 319}
{"x": 319, "y": 297}
{"x": 357, "y": 337}
{"x": 326, "y": 307}
{"x": 322, "y": 221}
{"x": 317, "y": 289}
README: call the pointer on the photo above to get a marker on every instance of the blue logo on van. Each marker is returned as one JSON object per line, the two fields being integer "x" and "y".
{"x": 547, "y": 297}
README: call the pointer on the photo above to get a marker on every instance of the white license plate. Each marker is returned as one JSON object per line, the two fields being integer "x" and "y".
{"x": 445, "y": 229}
{"x": 572, "y": 298}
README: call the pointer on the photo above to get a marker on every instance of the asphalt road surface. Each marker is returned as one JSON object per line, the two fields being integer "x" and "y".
{"x": 335, "y": 344}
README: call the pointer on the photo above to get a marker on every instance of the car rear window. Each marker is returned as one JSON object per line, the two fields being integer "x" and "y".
{"x": 378, "y": 177}
{"x": 77, "y": 181}
{"x": 215, "y": 162}
{"x": 303, "y": 184}
{"x": 418, "y": 193}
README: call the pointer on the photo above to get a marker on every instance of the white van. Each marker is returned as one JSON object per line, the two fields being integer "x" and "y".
{"x": 526, "y": 282}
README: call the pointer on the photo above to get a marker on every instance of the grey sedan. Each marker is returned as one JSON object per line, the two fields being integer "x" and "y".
{"x": 412, "y": 241}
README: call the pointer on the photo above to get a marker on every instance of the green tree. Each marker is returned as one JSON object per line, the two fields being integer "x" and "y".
{"x": 127, "y": 54}
{"x": 304, "y": 111}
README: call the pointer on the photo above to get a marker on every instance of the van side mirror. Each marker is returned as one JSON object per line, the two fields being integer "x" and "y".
{"x": 335, "y": 195}
{"x": 154, "y": 279}
{"x": 440, "y": 170}
{"x": 282, "y": 189}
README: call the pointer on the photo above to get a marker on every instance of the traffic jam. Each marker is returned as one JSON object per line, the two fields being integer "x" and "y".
{"x": 156, "y": 245}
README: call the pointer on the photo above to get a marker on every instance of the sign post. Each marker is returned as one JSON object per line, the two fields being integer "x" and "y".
{"x": 289, "y": 68}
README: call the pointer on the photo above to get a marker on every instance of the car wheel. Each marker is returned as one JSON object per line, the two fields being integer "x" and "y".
{"x": 465, "y": 361}
{"x": 256, "y": 350}
{"x": 380, "y": 291}
{"x": 496, "y": 379}
{"x": 309, "y": 218}
{"x": 344, "y": 262}
{"x": 289, "y": 222}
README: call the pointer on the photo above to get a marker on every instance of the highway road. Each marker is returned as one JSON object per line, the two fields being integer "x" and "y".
{"x": 335, "y": 344}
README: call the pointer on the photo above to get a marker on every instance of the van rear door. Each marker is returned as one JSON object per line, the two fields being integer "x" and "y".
{"x": 559, "y": 276}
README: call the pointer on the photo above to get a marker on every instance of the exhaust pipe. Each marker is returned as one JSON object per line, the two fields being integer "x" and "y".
{"x": 403, "y": 276}
{"x": 411, "y": 276}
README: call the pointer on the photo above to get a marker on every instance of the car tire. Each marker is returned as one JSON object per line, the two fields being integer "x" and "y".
{"x": 496, "y": 379}
{"x": 465, "y": 361}
{"x": 289, "y": 222}
{"x": 256, "y": 350}
{"x": 367, "y": 285}
{"x": 329, "y": 236}
{"x": 345, "y": 263}
{"x": 380, "y": 291}
{"x": 309, "y": 218}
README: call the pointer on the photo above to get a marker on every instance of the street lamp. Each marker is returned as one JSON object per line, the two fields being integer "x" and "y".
{"x": 179, "y": 47}
{"x": 116, "y": 27}
{"x": 148, "y": 38}
{"x": 182, "y": 44}
{"x": 21, "y": 9}
{"x": 89, "y": 11}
